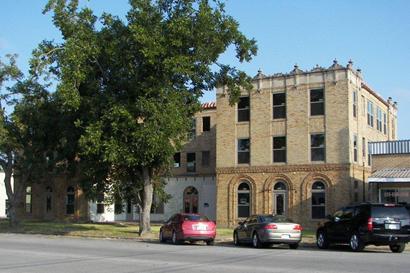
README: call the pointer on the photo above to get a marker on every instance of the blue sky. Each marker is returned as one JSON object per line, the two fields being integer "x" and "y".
{"x": 375, "y": 34}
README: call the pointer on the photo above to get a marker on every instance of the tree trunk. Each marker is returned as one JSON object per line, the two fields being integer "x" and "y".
{"x": 145, "y": 213}
{"x": 13, "y": 195}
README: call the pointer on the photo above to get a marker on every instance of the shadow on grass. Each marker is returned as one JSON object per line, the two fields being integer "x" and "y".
{"x": 45, "y": 228}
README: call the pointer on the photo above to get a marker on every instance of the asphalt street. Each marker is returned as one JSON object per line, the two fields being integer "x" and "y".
{"x": 33, "y": 253}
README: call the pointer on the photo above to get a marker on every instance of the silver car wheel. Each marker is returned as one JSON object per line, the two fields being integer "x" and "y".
{"x": 255, "y": 240}
{"x": 354, "y": 242}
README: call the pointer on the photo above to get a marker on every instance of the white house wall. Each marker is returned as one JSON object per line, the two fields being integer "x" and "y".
{"x": 206, "y": 190}
{"x": 175, "y": 187}
{"x": 3, "y": 196}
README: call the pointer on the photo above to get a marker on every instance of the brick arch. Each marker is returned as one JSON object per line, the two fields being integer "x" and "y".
{"x": 306, "y": 191}
{"x": 233, "y": 194}
{"x": 268, "y": 191}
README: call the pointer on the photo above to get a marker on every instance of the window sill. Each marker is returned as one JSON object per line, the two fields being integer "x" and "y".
{"x": 317, "y": 162}
{"x": 243, "y": 164}
{"x": 316, "y": 116}
{"x": 278, "y": 119}
{"x": 242, "y": 122}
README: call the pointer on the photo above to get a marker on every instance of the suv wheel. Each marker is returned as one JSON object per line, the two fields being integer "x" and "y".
{"x": 236, "y": 239}
{"x": 356, "y": 244}
{"x": 321, "y": 240}
{"x": 255, "y": 240}
{"x": 398, "y": 248}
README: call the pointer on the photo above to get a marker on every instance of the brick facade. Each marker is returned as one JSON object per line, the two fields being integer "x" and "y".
{"x": 340, "y": 168}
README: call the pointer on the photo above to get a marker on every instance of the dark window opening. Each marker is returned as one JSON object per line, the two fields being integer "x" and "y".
{"x": 70, "y": 200}
{"x": 191, "y": 162}
{"x": 243, "y": 109}
{"x": 317, "y": 104}
{"x": 100, "y": 203}
{"x": 279, "y": 106}
{"x": 279, "y": 149}
{"x": 206, "y": 124}
{"x": 244, "y": 200}
{"x": 317, "y": 145}
{"x": 243, "y": 151}
{"x": 177, "y": 160}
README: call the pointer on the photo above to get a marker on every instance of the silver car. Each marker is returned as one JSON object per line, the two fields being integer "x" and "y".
{"x": 265, "y": 229}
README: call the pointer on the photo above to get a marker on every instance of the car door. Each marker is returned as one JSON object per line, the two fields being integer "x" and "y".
{"x": 251, "y": 225}
{"x": 166, "y": 229}
{"x": 346, "y": 224}
{"x": 333, "y": 226}
{"x": 241, "y": 231}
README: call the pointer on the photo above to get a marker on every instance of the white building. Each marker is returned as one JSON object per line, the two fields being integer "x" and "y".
{"x": 3, "y": 197}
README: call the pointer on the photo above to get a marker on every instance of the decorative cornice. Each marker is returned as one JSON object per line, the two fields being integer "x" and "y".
{"x": 284, "y": 169}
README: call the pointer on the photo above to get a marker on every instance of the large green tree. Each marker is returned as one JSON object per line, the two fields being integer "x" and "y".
{"x": 133, "y": 86}
{"x": 27, "y": 145}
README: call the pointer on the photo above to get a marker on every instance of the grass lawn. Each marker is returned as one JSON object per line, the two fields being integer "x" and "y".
{"x": 111, "y": 230}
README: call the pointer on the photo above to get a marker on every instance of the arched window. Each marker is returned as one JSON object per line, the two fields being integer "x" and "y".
{"x": 191, "y": 200}
{"x": 244, "y": 198}
{"x": 49, "y": 196}
{"x": 29, "y": 204}
{"x": 70, "y": 200}
{"x": 318, "y": 200}
{"x": 280, "y": 198}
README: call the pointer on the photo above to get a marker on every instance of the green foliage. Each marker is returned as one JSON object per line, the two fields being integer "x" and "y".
{"x": 131, "y": 88}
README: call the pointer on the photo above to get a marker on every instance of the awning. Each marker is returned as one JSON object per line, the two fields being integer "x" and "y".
{"x": 391, "y": 175}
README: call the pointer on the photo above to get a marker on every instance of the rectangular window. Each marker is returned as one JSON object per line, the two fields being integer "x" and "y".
{"x": 192, "y": 132}
{"x": 354, "y": 103}
{"x": 363, "y": 106}
{"x": 243, "y": 151}
{"x": 317, "y": 102}
{"x": 318, "y": 205}
{"x": 279, "y": 106}
{"x": 29, "y": 205}
{"x": 118, "y": 207}
{"x": 243, "y": 109}
{"x": 364, "y": 148}
{"x": 205, "y": 158}
{"x": 384, "y": 123}
{"x": 317, "y": 147}
{"x": 279, "y": 149}
{"x": 129, "y": 206}
{"x": 100, "y": 203}
{"x": 206, "y": 124}
{"x": 370, "y": 113}
{"x": 355, "y": 148}
{"x": 177, "y": 160}
{"x": 379, "y": 119}
{"x": 191, "y": 162}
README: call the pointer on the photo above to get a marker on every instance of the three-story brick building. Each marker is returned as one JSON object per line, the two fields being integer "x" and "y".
{"x": 296, "y": 143}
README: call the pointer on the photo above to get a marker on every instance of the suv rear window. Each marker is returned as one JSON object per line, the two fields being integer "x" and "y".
{"x": 393, "y": 212}
{"x": 193, "y": 217}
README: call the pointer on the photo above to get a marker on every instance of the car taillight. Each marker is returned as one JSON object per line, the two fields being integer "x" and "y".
{"x": 270, "y": 226}
{"x": 370, "y": 224}
{"x": 297, "y": 227}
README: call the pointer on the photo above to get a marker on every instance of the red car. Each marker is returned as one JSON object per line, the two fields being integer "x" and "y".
{"x": 188, "y": 227}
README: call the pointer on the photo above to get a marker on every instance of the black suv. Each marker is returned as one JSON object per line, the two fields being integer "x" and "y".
{"x": 367, "y": 224}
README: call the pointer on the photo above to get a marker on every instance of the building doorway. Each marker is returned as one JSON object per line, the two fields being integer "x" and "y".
{"x": 191, "y": 200}
{"x": 280, "y": 198}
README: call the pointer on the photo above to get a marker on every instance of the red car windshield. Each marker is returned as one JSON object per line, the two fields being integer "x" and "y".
{"x": 193, "y": 217}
